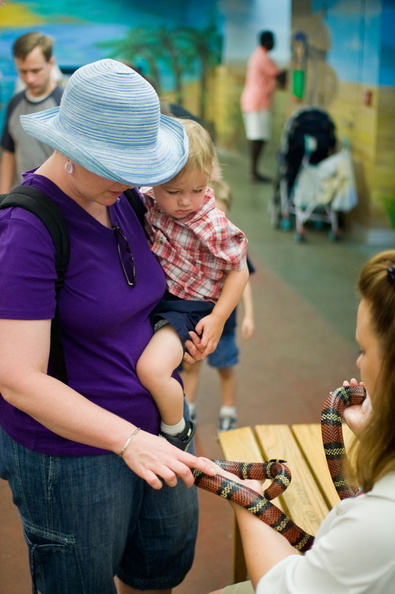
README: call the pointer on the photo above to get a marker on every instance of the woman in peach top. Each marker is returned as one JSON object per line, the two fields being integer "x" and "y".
{"x": 256, "y": 100}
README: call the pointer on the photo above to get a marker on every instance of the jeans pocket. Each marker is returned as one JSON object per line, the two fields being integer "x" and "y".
{"x": 52, "y": 555}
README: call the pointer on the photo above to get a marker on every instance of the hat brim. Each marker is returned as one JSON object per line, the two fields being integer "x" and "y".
{"x": 151, "y": 166}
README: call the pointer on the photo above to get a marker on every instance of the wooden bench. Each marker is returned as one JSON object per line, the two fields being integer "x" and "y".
{"x": 311, "y": 493}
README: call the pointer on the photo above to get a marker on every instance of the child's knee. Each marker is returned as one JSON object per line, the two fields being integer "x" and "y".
{"x": 145, "y": 370}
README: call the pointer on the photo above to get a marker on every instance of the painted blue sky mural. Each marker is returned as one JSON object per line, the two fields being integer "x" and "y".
{"x": 136, "y": 30}
{"x": 88, "y": 31}
{"x": 362, "y": 39}
{"x": 79, "y": 27}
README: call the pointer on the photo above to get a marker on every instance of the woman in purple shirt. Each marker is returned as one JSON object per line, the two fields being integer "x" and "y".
{"x": 89, "y": 515}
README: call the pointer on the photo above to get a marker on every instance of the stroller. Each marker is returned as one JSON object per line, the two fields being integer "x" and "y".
{"x": 314, "y": 182}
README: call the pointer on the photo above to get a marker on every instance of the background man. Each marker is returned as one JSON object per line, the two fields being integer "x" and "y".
{"x": 33, "y": 58}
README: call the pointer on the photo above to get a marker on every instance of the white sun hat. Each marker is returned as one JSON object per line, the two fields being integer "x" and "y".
{"x": 109, "y": 122}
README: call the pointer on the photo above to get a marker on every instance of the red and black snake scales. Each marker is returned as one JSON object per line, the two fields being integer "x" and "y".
{"x": 332, "y": 434}
{"x": 261, "y": 506}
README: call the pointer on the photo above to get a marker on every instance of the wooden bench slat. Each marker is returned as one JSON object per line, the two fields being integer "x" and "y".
{"x": 310, "y": 442}
{"x": 309, "y": 439}
{"x": 240, "y": 444}
{"x": 303, "y": 499}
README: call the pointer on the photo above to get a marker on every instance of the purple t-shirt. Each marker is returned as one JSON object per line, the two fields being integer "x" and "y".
{"x": 105, "y": 322}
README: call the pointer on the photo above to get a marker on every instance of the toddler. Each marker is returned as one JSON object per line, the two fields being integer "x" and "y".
{"x": 203, "y": 256}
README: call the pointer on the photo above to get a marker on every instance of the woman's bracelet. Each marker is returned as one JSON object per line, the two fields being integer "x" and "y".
{"x": 127, "y": 442}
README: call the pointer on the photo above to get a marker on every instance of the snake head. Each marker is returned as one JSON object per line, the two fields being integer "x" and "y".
{"x": 281, "y": 475}
{"x": 342, "y": 397}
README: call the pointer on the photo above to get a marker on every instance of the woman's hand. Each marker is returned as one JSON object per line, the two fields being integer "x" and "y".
{"x": 255, "y": 485}
{"x": 357, "y": 415}
{"x": 156, "y": 461}
{"x": 195, "y": 349}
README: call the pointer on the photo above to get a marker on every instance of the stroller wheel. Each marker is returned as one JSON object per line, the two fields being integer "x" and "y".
{"x": 285, "y": 224}
{"x": 274, "y": 214}
{"x": 299, "y": 237}
{"x": 334, "y": 235}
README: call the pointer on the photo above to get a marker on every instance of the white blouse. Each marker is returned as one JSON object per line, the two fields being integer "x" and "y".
{"x": 354, "y": 551}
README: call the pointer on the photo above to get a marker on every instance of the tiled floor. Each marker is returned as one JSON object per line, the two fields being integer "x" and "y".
{"x": 303, "y": 347}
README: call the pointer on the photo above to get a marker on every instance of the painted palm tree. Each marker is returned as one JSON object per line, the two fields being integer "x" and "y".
{"x": 157, "y": 48}
{"x": 182, "y": 50}
{"x": 141, "y": 44}
{"x": 205, "y": 46}
{"x": 170, "y": 53}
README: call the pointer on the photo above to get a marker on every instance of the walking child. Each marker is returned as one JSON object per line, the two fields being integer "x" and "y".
{"x": 203, "y": 256}
{"x": 226, "y": 355}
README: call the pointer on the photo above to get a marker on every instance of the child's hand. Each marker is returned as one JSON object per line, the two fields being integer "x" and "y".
{"x": 210, "y": 330}
{"x": 247, "y": 328}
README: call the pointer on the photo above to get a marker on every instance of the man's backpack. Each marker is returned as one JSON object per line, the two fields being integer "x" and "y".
{"x": 47, "y": 211}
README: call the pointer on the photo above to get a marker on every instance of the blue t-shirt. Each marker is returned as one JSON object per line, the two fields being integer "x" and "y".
{"x": 105, "y": 322}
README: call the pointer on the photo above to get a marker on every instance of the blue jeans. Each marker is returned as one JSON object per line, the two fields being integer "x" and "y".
{"x": 226, "y": 354}
{"x": 89, "y": 518}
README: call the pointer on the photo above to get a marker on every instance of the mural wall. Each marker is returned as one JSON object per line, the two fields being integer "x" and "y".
{"x": 162, "y": 43}
{"x": 195, "y": 53}
{"x": 177, "y": 44}
{"x": 350, "y": 70}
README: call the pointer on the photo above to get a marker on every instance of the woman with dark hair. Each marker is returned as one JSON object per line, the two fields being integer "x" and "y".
{"x": 354, "y": 548}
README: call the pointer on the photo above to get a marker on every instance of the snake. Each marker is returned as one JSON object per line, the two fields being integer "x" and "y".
{"x": 332, "y": 434}
{"x": 277, "y": 470}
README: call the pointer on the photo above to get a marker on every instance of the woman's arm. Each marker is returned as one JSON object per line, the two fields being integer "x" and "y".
{"x": 24, "y": 383}
{"x": 263, "y": 546}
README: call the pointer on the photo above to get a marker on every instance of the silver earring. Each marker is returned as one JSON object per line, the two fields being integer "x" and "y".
{"x": 69, "y": 167}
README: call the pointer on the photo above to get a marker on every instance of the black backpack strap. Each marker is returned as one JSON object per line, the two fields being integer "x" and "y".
{"x": 136, "y": 203}
{"x": 47, "y": 211}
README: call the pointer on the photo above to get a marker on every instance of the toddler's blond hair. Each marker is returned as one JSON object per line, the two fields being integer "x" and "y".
{"x": 202, "y": 154}
{"x": 222, "y": 193}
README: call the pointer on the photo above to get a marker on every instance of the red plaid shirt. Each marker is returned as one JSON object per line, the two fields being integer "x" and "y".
{"x": 195, "y": 252}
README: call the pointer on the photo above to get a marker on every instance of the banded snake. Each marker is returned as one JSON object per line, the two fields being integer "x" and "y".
{"x": 262, "y": 506}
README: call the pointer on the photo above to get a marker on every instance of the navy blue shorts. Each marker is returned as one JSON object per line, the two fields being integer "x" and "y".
{"x": 181, "y": 314}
